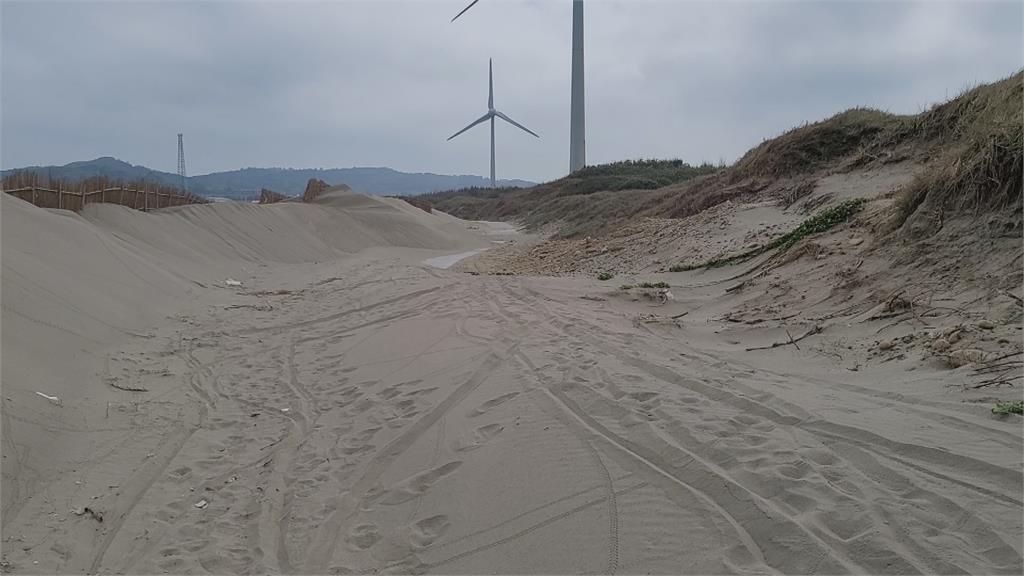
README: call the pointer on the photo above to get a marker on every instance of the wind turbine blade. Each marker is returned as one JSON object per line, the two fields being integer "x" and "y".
{"x": 479, "y": 120}
{"x": 464, "y": 10}
{"x": 514, "y": 123}
{"x": 490, "y": 84}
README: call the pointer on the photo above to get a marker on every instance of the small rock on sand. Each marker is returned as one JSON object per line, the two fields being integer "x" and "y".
{"x": 963, "y": 357}
{"x": 986, "y": 324}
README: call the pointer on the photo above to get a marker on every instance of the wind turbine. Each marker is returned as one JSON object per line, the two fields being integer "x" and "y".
{"x": 577, "y": 115}
{"x": 491, "y": 115}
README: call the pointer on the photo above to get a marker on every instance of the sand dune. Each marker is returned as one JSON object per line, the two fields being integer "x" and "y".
{"x": 350, "y": 409}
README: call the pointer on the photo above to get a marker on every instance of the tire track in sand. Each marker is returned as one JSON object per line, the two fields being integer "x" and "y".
{"x": 141, "y": 482}
{"x": 715, "y": 487}
{"x": 534, "y": 527}
{"x": 338, "y": 315}
{"x": 612, "y": 505}
{"x": 823, "y": 429}
{"x": 307, "y": 414}
{"x": 325, "y": 541}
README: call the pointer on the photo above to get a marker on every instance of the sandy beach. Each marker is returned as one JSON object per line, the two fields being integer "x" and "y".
{"x": 350, "y": 408}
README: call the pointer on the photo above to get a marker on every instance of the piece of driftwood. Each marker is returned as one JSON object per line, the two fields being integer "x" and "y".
{"x": 1000, "y": 381}
{"x": 114, "y": 383}
{"x": 736, "y": 287}
{"x": 1019, "y": 300}
{"x": 793, "y": 341}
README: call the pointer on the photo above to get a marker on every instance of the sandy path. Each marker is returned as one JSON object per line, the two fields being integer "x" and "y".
{"x": 385, "y": 415}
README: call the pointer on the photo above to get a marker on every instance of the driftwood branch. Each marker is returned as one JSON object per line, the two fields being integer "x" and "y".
{"x": 114, "y": 383}
{"x": 736, "y": 287}
{"x": 793, "y": 341}
{"x": 1020, "y": 301}
{"x": 995, "y": 382}
{"x": 990, "y": 363}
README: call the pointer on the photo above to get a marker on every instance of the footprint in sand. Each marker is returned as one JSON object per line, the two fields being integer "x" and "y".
{"x": 490, "y": 404}
{"x": 483, "y": 435}
{"x": 744, "y": 420}
{"x": 421, "y": 391}
{"x": 173, "y": 564}
{"x": 391, "y": 550}
{"x": 360, "y": 442}
{"x": 414, "y": 486}
{"x": 181, "y": 473}
{"x": 390, "y": 392}
{"x": 363, "y": 536}
{"x": 424, "y": 532}
{"x": 643, "y": 396}
{"x": 794, "y": 470}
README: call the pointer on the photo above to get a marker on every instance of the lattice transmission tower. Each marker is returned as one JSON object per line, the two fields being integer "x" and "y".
{"x": 181, "y": 165}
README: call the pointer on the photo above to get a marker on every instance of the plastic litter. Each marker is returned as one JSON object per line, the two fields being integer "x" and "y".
{"x": 53, "y": 399}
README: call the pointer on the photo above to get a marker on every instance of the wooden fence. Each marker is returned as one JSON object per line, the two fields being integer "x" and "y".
{"x": 130, "y": 197}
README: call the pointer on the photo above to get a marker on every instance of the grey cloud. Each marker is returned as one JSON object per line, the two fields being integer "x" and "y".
{"x": 384, "y": 83}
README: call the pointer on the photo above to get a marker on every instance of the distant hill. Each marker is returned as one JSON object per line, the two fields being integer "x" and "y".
{"x": 247, "y": 182}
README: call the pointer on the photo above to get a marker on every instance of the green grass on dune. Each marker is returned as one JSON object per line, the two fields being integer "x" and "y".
{"x": 1007, "y": 408}
{"x": 816, "y": 224}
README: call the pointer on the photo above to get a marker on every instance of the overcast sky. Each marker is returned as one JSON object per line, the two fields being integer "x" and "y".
{"x": 383, "y": 83}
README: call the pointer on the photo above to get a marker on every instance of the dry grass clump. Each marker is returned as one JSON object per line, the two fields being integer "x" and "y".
{"x": 585, "y": 202}
{"x": 982, "y": 167}
{"x": 590, "y": 214}
{"x": 475, "y": 203}
{"x": 271, "y": 197}
{"x": 700, "y": 194}
{"x": 421, "y": 203}
{"x": 813, "y": 146}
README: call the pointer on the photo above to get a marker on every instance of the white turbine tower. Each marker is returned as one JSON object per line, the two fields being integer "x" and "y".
{"x": 577, "y": 115}
{"x": 491, "y": 114}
